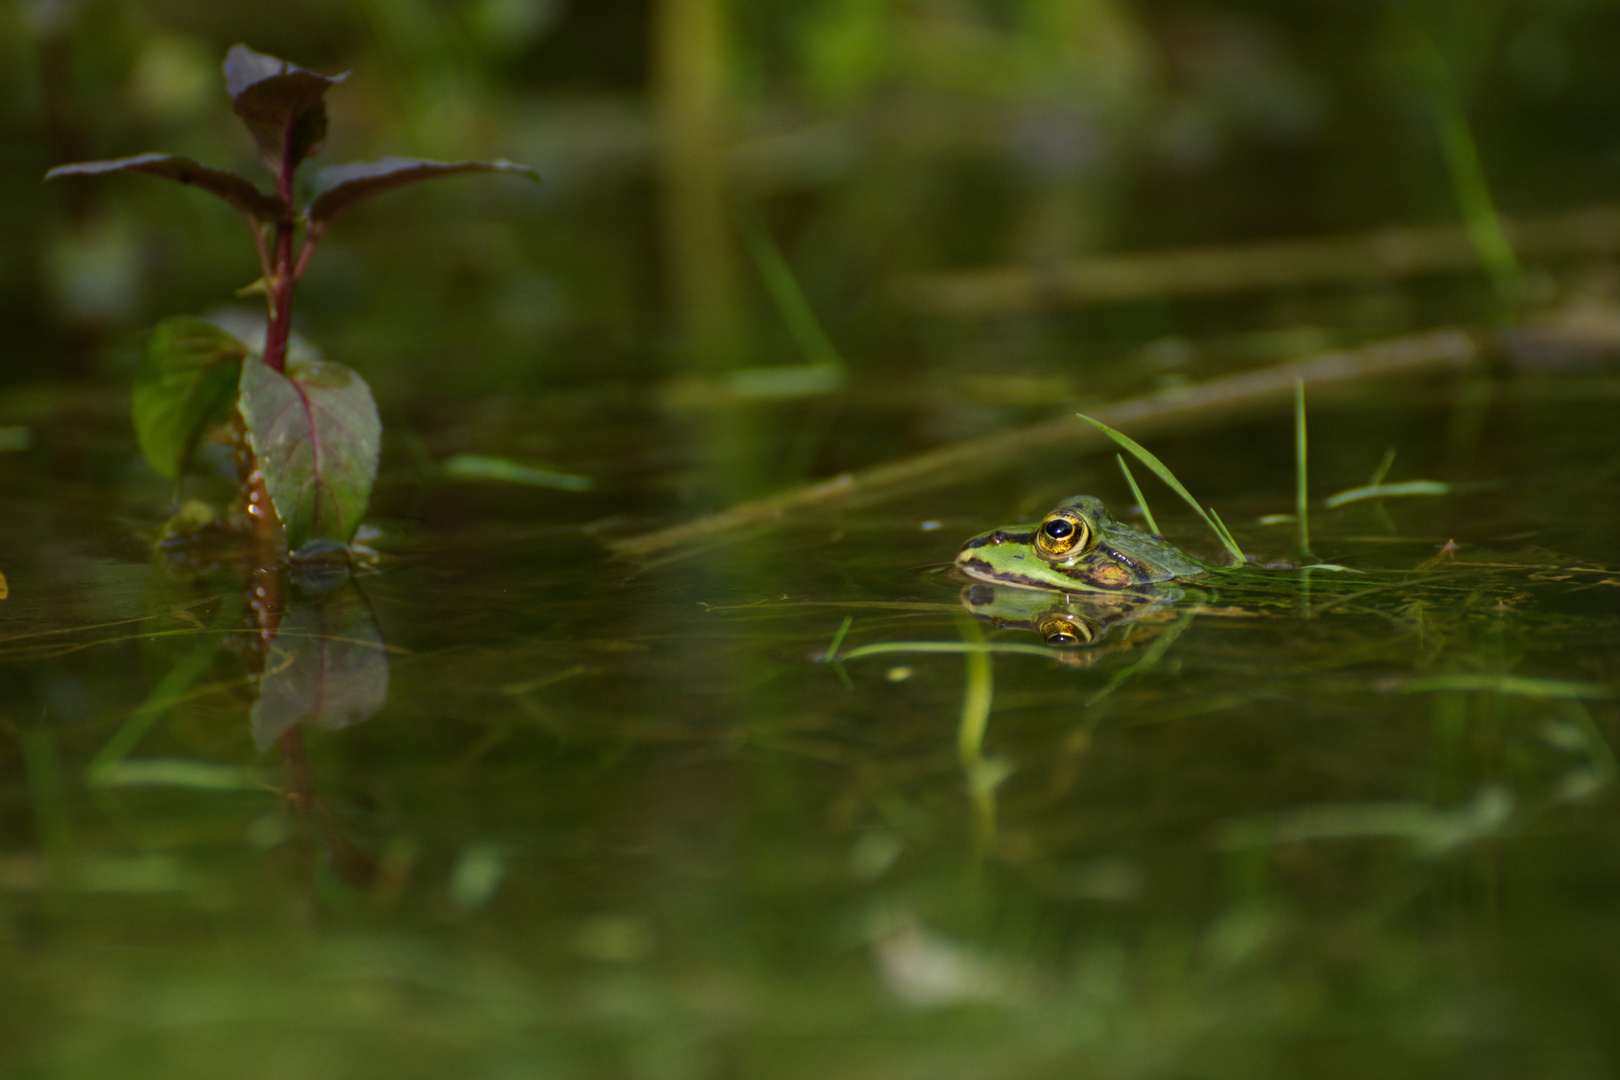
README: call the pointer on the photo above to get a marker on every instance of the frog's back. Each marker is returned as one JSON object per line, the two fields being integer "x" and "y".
{"x": 1149, "y": 556}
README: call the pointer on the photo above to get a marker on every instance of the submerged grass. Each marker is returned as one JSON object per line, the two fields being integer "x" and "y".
{"x": 1511, "y": 685}
{"x": 983, "y": 775}
{"x": 169, "y": 691}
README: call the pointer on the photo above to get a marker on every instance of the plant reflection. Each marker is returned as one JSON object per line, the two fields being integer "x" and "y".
{"x": 311, "y": 650}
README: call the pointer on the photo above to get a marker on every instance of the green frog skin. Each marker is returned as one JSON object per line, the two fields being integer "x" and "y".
{"x": 1078, "y": 547}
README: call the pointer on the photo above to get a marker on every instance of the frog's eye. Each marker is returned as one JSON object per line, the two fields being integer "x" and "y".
{"x": 1063, "y": 534}
{"x": 1064, "y": 630}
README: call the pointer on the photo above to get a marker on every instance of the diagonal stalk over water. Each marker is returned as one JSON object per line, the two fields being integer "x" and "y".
{"x": 971, "y": 458}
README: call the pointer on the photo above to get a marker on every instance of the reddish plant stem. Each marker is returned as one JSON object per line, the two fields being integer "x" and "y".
{"x": 282, "y": 279}
{"x": 283, "y": 274}
{"x": 300, "y": 791}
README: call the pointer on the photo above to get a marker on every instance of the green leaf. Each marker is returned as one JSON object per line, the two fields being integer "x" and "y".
{"x": 1163, "y": 473}
{"x": 239, "y": 191}
{"x": 185, "y": 384}
{"x": 282, "y": 105}
{"x": 315, "y": 432}
{"x": 338, "y": 187}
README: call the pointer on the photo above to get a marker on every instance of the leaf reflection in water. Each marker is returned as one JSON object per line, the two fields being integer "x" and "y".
{"x": 328, "y": 664}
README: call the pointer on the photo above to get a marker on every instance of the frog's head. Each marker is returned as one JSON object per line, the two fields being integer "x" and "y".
{"x": 1054, "y": 553}
{"x": 1078, "y": 547}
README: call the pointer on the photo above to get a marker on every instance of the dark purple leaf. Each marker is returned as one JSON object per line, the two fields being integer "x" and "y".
{"x": 280, "y": 103}
{"x": 239, "y": 191}
{"x": 315, "y": 432}
{"x": 244, "y": 67}
{"x": 338, "y": 187}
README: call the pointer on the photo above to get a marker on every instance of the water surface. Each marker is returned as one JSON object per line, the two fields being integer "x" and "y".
{"x": 560, "y": 815}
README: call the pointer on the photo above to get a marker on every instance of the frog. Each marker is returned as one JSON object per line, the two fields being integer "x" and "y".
{"x": 1068, "y": 621}
{"x": 1079, "y": 547}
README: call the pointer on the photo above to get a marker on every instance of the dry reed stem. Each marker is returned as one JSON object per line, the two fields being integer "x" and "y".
{"x": 1385, "y": 255}
{"x": 1443, "y": 349}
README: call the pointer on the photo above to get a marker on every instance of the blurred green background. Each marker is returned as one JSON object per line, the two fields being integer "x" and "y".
{"x": 876, "y": 139}
{"x": 789, "y": 239}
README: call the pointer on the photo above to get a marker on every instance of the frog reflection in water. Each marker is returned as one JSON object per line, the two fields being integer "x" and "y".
{"x": 1084, "y": 619}
{"x": 1077, "y": 548}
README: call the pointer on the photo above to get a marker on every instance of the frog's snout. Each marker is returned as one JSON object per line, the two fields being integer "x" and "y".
{"x": 989, "y": 539}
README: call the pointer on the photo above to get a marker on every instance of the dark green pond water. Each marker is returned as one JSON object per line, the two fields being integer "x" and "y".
{"x": 592, "y": 818}
{"x": 778, "y": 804}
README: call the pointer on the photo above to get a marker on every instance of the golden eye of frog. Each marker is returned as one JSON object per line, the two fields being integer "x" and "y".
{"x": 1078, "y": 547}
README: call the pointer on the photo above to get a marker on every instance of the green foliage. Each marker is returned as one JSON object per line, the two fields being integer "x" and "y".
{"x": 314, "y": 428}
{"x": 185, "y": 384}
{"x": 315, "y": 432}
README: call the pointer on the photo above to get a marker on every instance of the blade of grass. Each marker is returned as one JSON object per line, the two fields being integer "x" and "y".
{"x": 1153, "y": 526}
{"x": 1472, "y": 190}
{"x": 1226, "y": 535}
{"x": 1151, "y": 656}
{"x": 969, "y": 458}
{"x": 784, "y": 288}
{"x": 1301, "y": 473}
{"x": 1515, "y": 685}
{"x": 168, "y": 692}
{"x": 1395, "y": 491}
{"x": 1383, "y": 468}
{"x": 977, "y": 694}
{"x": 983, "y": 776}
{"x": 1160, "y": 470}
{"x": 831, "y": 654}
{"x": 1010, "y": 648}
{"x": 167, "y": 772}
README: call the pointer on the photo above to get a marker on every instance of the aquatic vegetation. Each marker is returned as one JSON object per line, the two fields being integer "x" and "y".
{"x": 306, "y": 430}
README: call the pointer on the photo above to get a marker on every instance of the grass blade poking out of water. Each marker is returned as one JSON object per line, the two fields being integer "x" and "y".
{"x": 1153, "y": 526}
{"x": 1301, "y": 482}
{"x": 1163, "y": 473}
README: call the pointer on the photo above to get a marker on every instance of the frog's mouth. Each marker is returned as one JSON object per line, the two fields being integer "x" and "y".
{"x": 979, "y": 569}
